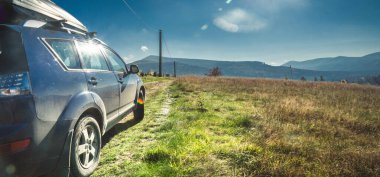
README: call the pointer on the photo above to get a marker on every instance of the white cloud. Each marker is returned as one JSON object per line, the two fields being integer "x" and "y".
{"x": 220, "y": 9}
{"x": 228, "y": 1}
{"x": 204, "y": 27}
{"x": 238, "y": 20}
{"x": 226, "y": 25}
{"x": 144, "y": 48}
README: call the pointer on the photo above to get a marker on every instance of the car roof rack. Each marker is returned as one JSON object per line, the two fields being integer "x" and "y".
{"x": 57, "y": 23}
{"x": 59, "y": 17}
{"x": 91, "y": 35}
{"x": 62, "y": 25}
{"x": 98, "y": 41}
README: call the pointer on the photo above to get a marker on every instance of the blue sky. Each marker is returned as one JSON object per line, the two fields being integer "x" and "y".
{"x": 272, "y": 31}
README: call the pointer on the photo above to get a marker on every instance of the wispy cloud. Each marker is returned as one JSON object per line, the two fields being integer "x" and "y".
{"x": 226, "y": 25}
{"x": 130, "y": 58}
{"x": 144, "y": 48}
{"x": 204, "y": 27}
{"x": 239, "y": 20}
{"x": 228, "y": 1}
{"x": 144, "y": 30}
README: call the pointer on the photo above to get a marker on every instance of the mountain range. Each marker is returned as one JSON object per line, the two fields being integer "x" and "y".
{"x": 332, "y": 69}
{"x": 367, "y": 63}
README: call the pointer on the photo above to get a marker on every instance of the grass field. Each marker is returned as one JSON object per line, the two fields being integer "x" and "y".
{"x": 201, "y": 126}
{"x": 148, "y": 79}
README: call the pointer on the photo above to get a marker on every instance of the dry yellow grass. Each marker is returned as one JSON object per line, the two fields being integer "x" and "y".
{"x": 304, "y": 128}
{"x": 251, "y": 127}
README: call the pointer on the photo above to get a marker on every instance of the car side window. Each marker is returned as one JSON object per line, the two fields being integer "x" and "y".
{"x": 66, "y": 52}
{"x": 116, "y": 62}
{"x": 91, "y": 56}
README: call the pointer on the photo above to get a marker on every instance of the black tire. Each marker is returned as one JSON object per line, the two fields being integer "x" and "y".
{"x": 85, "y": 152}
{"x": 138, "y": 113}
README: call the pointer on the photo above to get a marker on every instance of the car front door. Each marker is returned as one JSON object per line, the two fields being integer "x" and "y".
{"x": 101, "y": 80}
{"x": 128, "y": 82}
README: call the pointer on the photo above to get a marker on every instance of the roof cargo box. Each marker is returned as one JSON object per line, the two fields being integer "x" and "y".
{"x": 46, "y": 10}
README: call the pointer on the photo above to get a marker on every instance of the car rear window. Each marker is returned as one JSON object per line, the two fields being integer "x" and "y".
{"x": 66, "y": 52}
{"x": 12, "y": 53}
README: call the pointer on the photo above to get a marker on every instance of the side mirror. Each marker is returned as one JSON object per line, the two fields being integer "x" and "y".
{"x": 134, "y": 69}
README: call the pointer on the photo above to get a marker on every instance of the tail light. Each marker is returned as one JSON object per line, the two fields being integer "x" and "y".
{"x": 14, "y": 84}
{"x": 14, "y": 147}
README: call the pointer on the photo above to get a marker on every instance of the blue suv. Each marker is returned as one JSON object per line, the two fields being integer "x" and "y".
{"x": 61, "y": 89}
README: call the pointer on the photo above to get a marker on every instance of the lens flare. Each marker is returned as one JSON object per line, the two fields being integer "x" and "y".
{"x": 140, "y": 101}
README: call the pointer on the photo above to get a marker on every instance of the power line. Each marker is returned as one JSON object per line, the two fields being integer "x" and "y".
{"x": 170, "y": 55}
{"x": 146, "y": 24}
{"x": 138, "y": 16}
{"x": 167, "y": 48}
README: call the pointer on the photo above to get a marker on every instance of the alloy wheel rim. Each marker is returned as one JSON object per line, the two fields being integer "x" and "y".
{"x": 88, "y": 147}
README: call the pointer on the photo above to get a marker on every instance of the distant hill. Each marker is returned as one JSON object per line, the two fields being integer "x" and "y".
{"x": 368, "y": 63}
{"x": 238, "y": 69}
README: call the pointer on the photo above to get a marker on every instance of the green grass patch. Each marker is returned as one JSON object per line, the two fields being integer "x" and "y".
{"x": 148, "y": 79}
{"x": 252, "y": 127}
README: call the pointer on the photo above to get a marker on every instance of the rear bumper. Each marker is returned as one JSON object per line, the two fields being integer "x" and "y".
{"x": 26, "y": 164}
{"x": 48, "y": 151}
{"x": 27, "y": 161}
{"x": 47, "y": 139}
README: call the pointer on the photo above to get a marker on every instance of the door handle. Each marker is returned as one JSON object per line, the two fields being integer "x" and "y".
{"x": 93, "y": 81}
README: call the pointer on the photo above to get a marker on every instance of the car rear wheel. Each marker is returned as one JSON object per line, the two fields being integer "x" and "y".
{"x": 139, "y": 111}
{"x": 86, "y": 147}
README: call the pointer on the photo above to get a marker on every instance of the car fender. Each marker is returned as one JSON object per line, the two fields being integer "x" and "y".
{"x": 140, "y": 85}
{"x": 79, "y": 104}
{"x": 102, "y": 109}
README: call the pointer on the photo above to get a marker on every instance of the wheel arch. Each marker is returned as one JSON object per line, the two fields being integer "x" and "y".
{"x": 81, "y": 104}
{"x": 141, "y": 88}
{"x": 85, "y": 103}
{"x": 96, "y": 114}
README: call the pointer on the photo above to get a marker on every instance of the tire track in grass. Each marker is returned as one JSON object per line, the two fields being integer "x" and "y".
{"x": 159, "y": 117}
{"x": 126, "y": 142}
{"x": 162, "y": 116}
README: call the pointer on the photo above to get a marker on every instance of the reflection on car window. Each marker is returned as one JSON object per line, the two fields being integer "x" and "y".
{"x": 91, "y": 56}
{"x": 12, "y": 54}
{"x": 116, "y": 62}
{"x": 66, "y": 51}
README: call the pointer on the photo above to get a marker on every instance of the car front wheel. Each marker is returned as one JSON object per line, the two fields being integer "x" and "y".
{"x": 86, "y": 147}
{"x": 139, "y": 111}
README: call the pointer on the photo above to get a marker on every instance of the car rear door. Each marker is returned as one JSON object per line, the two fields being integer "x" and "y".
{"x": 101, "y": 80}
{"x": 128, "y": 83}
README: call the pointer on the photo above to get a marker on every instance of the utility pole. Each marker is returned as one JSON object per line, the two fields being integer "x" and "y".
{"x": 160, "y": 56}
{"x": 291, "y": 72}
{"x": 175, "y": 70}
